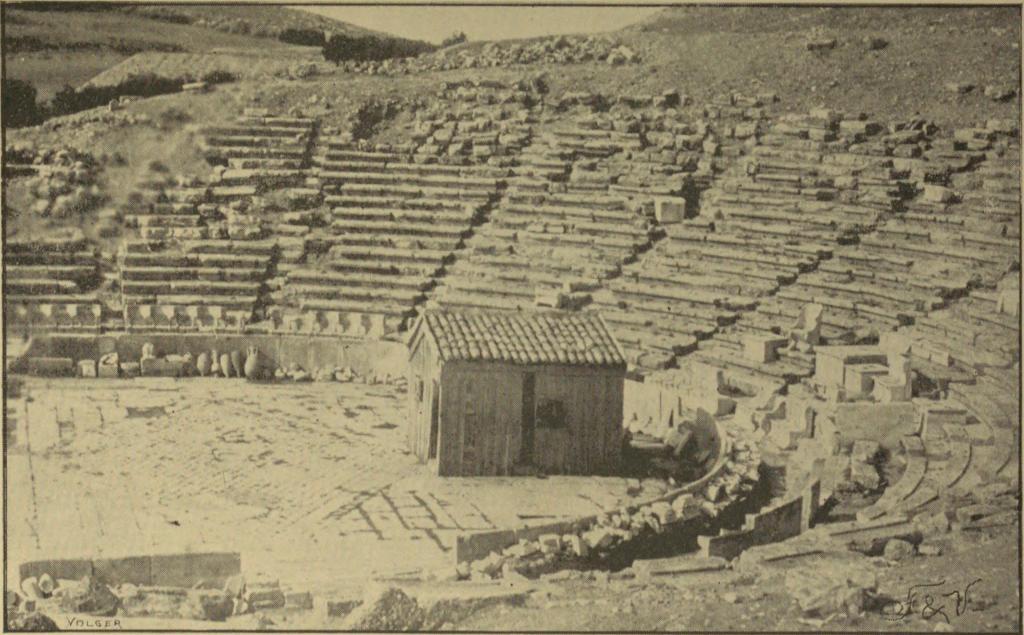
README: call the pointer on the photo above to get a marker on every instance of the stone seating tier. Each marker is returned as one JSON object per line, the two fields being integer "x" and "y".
{"x": 482, "y": 256}
{"x": 701, "y": 278}
{"x": 697, "y": 263}
{"x": 133, "y": 303}
{"x": 899, "y": 298}
{"x": 464, "y": 216}
{"x": 875, "y": 272}
{"x": 553, "y": 212}
{"x": 164, "y": 220}
{"x": 522, "y": 273}
{"x": 278, "y": 121}
{"x": 346, "y": 201}
{"x": 354, "y": 279}
{"x": 173, "y": 259}
{"x": 40, "y": 286}
{"x": 382, "y": 267}
{"x": 257, "y": 131}
{"x": 213, "y": 274}
{"x": 246, "y": 163}
{"x": 256, "y": 155}
{"x": 455, "y": 298}
{"x": 393, "y": 256}
{"x": 418, "y": 243}
{"x": 453, "y": 182}
{"x": 296, "y": 293}
{"x": 684, "y": 296}
{"x": 412, "y": 191}
{"x": 77, "y": 273}
{"x": 84, "y": 257}
{"x": 738, "y": 249}
{"x": 186, "y": 286}
{"x": 516, "y": 196}
{"x": 400, "y": 226}
{"x": 656, "y": 322}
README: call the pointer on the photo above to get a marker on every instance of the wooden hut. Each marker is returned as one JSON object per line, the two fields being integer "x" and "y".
{"x": 490, "y": 393}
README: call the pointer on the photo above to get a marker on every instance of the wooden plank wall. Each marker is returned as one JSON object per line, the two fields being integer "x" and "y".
{"x": 422, "y": 367}
{"x": 590, "y": 443}
{"x": 481, "y": 419}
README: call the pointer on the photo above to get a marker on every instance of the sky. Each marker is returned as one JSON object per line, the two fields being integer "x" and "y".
{"x": 435, "y": 23}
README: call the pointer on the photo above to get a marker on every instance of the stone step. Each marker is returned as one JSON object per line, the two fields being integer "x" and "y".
{"x": 213, "y": 274}
{"x": 329, "y": 278}
{"x": 352, "y": 292}
{"x": 403, "y": 216}
{"x": 186, "y": 299}
{"x": 40, "y": 286}
{"x": 188, "y": 287}
{"x": 76, "y": 273}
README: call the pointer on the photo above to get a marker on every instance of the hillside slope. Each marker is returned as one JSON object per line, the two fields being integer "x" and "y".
{"x": 259, "y": 21}
{"x": 708, "y": 50}
{"x": 54, "y": 48}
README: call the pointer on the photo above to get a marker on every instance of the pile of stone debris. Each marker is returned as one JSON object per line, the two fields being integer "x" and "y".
{"x": 555, "y": 50}
{"x": 39, "y": 597}
{"x": 61, "y": 180}
{"x": 594, "y": 539}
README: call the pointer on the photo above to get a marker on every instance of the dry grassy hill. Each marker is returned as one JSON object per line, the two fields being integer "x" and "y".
{"x": 700, "y": 51}
{"x": 704, "y": 50}
{"x": 70, "y": 46}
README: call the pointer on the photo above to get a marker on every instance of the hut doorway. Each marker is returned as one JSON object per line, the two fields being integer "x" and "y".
{"x": 528, "y": 418}
{"x": 435, "y": 412}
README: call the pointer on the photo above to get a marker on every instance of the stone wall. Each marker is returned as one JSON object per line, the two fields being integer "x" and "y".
{"x": 786, "y": 519}
{"x": 474, "y": 546}
{"x": 363, "y": 357}
{"x": 183, "y": 570}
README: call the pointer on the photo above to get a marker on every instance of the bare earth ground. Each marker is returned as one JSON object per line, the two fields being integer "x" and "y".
{"x": 310, "y": 482}
{"x": 730, "y": 600}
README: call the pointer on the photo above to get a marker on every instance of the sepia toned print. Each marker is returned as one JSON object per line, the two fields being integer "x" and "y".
{"x": 511, "y": 318}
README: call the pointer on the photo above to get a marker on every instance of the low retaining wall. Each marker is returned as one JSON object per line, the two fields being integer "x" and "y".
{"x": 309, "y": 352}
{"x": 786, "y": 519}
{"x": 476, "y": 545}
{"x": 177, "y": 570}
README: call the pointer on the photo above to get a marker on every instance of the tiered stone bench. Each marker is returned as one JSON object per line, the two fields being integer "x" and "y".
{"x": 260, "y": 153}
{"x": 192, "y": 285}
{"x": 51, "y": 284}
{"x": 394, "y": 223}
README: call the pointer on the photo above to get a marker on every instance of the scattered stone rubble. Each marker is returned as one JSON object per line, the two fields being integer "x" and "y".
{"x": 62, "y": 180}
{"x": 561, "y": 50}
{"x": 729, "y": 248}
{"x": 623, "y": 173}
{"x": 587, "y": 542}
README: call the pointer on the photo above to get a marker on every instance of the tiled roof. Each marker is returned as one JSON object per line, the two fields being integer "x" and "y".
{"x": 523, "y": 338}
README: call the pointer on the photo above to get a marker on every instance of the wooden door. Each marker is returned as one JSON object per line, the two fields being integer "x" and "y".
{"x": 528, "y": 419}
{"x": 435, "y": 429}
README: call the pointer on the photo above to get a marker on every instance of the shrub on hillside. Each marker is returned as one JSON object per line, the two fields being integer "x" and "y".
{"x": 341, "y": 48}
{"x": 66, "y": 6}
{"x": 302, "y": 37}
{"x": 218, "y": 76}
{"x": 68, "y": 100}
{"x": 19, "y": 104}
{"x": 172, "y": 119}
{"x": 453, "y": 39}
